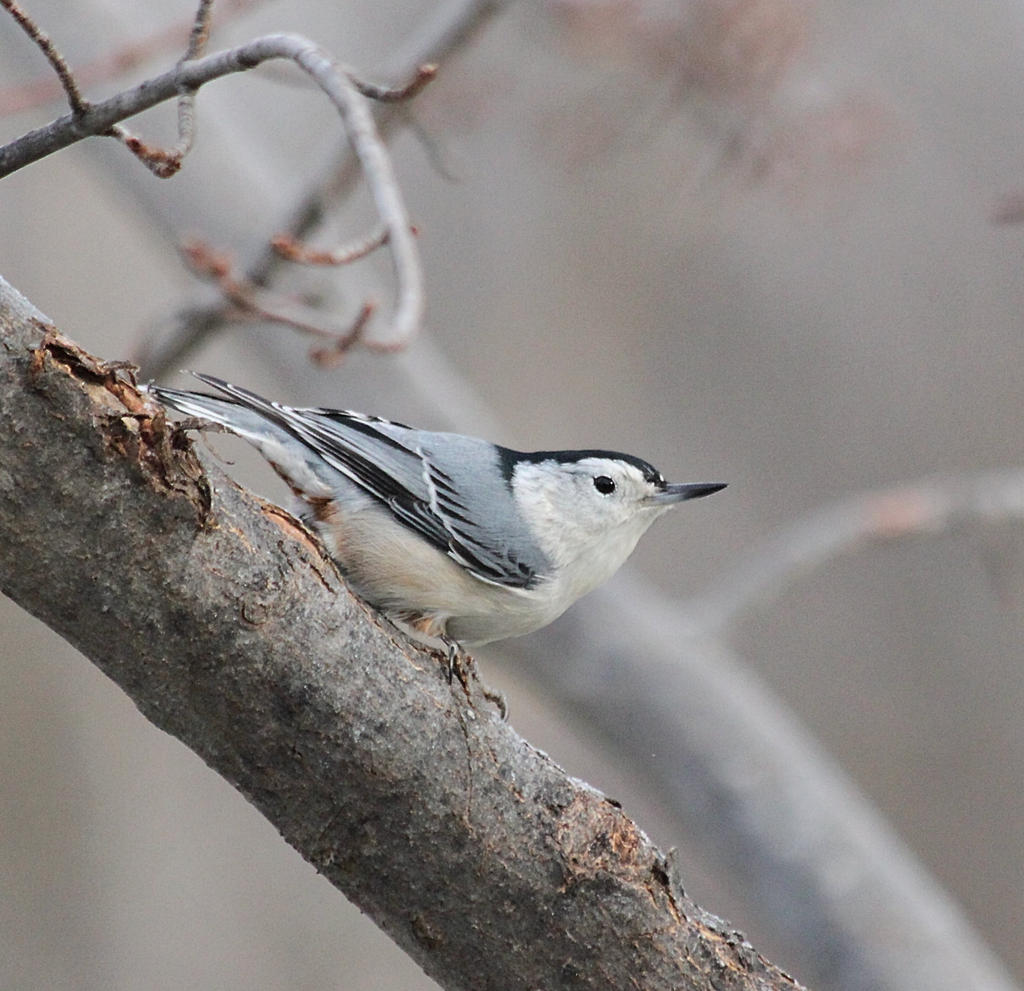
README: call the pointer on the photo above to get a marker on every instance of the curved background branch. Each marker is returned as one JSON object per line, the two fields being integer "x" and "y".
{"x": 925, "y": 508}
{"x": 337, "y": 83}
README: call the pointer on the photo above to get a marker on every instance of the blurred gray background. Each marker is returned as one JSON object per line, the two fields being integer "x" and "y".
{"x": 752, "y": 241}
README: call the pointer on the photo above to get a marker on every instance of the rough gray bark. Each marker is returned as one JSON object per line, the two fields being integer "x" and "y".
{"x": 226, "y": 626}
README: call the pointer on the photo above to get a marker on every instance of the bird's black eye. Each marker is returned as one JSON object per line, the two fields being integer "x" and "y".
{"x": 604, "y": 484}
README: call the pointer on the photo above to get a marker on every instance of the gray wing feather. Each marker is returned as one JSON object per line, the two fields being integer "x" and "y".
{"x": 423, "y": 479}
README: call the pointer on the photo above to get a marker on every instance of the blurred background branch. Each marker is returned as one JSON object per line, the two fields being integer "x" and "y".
{"x": 927, "y": 509}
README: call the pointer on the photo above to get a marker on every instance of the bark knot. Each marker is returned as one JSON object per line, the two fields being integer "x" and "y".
{"x": 130, "y": 425}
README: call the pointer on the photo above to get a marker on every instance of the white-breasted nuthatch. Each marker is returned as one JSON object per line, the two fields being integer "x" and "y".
{"x": 453, "y": 537}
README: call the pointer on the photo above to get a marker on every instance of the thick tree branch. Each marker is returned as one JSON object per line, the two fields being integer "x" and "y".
{"x": 226, "y": 626}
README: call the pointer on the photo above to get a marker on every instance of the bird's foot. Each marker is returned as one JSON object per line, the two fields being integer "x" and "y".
{"x": 461, "y": 665}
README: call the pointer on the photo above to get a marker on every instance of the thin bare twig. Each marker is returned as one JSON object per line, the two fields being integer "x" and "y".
{"x": 376, "y": 166}
{"x": 256, "y": 302}
{"x": 397, "y": 94}
{"x": 332, "y": 355}
{"x": 200, "y": 33}
{"x": 294, "y": 250}
{"x": 928, "y": 507}
{"x": 164, "y": 163}
{"x": 79, "y": 105}
{"x": 41, "y": 91}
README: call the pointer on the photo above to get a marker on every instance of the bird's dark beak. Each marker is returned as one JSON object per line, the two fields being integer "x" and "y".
{"x": 687, "y": 490}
